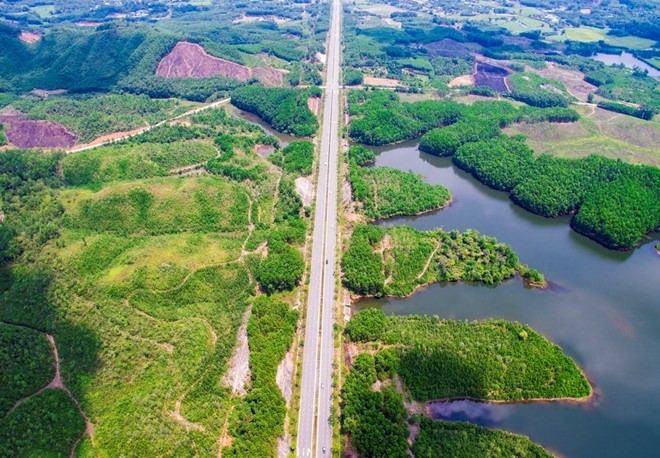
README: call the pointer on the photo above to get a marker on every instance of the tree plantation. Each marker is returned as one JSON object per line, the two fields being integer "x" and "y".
{"x": 490, "y": 360}
{"x": 323, "y": 228}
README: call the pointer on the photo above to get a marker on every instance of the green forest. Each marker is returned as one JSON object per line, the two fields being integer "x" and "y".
{"x": 395, "y": 261}
{"x": 380, "y": 118}
{"x": 614, "y": 203}
{"x": 284, "y": 109}
{"x": 545, "y": 185}
{"x": 444, "y": 359}
{"x": 142, "y": 273}
{"x": 466, "y": 440}
{"x": 382, "y": 192}
{"x": 489, "y": 360}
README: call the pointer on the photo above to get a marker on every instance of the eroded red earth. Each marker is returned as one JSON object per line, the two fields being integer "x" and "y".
{"x": 190, "y": 60}
{"x": 27, "y": 133}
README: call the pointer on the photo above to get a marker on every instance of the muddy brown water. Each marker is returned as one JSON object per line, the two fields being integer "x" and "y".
{"x": 603, "y": 310}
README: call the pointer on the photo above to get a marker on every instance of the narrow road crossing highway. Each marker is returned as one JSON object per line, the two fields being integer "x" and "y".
{"x": 314, "y": 429}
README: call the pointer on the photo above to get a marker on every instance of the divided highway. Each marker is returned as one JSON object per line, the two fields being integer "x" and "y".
{"x": 314, "y": 429}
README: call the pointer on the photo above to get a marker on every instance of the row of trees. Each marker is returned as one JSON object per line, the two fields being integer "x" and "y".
{"x": 646, "y": 113}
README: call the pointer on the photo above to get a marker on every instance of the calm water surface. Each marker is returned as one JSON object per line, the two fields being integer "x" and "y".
{"x": 267, "y": 128}
{"x": 604, "y": 310}
{"x": 626, "y": 59}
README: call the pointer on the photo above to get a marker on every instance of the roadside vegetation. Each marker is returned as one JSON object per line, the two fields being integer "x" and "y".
{"x": 296, "y": 158}
{"x": 395, "y": 261}
{"x": 375, "y": 420}
{"x": 259, "y": 417}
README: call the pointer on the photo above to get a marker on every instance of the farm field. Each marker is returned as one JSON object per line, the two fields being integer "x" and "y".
{"x": 592, "y": 34}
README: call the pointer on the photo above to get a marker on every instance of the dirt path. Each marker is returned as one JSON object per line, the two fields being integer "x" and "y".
{"x": 428, "y": 261}
{"x": 180, "y": 419}
{"x": 225, "y": 440}
{"x": 58, "y": 384}
{"x": 119, "y": 136}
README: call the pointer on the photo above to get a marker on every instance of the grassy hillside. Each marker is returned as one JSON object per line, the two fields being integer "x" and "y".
{"x": 143, "y": 279}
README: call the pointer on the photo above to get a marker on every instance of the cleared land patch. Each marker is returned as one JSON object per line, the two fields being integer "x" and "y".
{"x": 28, "y": 133}
{"x": 190, "y": 60}
{"x": 612, "y": 135}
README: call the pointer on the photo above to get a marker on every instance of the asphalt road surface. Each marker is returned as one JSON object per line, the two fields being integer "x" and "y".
{"x": 314, "y": 430}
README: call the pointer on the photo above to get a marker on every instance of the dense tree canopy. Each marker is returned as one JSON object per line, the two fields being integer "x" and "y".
{"x": 284, "y": 109}
{"x": 282, "y": 269}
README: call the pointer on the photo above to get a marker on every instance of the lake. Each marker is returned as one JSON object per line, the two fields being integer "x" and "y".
{"x": 626, "y": 59}
{"x": 603, "y": 310}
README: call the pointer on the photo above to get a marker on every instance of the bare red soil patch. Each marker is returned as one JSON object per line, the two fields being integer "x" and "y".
{"x": 190, "y": 60}
{"x": 314, "y": 105}
{"x": 27, "y": 133}
{"x": 29, "y": 37}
